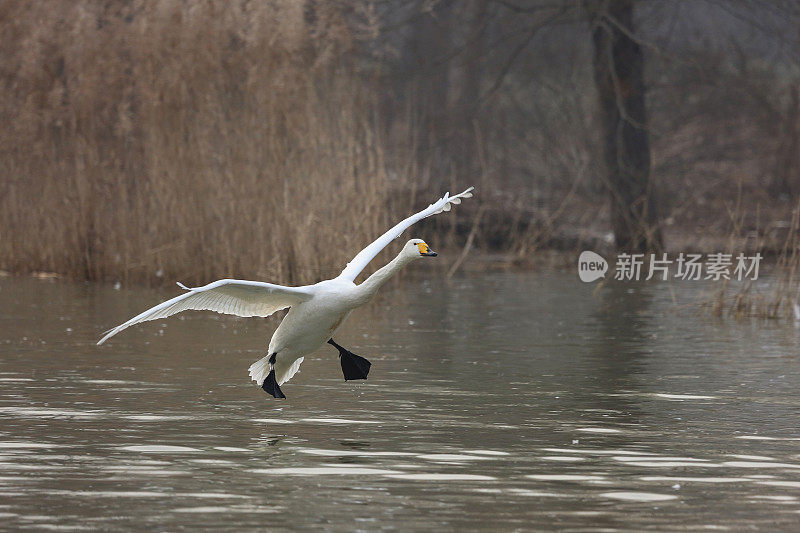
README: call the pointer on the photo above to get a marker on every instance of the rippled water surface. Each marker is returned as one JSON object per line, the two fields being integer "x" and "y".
{"x": 497, "y": 401}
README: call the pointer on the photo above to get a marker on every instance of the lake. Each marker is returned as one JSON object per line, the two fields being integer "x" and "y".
{"x": 497, "y": 401}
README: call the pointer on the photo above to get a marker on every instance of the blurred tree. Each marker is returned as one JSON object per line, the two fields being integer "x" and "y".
{"x": 465, "y": 79}
{"x": 619, "y": 76}
{"x": 784, "y": 181}
{"x": 442, "y": 56}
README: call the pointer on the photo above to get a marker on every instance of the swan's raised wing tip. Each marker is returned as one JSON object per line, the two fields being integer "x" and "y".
{"x": 194, "y": 289}
{"x": 107, "y": 334}
{"x": 449, "y": 201}
{"x": 465, "y": 194}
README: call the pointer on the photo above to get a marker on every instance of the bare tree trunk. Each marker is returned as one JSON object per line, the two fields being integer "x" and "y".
{"x": 465, "y": 75}
{"x": 784, "y": 182}
{"x": 619, "y": 76}
{"x": 443, "y": 53}
{"x": 426, "y": 44}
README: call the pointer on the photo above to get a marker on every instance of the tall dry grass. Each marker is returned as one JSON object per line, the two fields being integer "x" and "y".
{"x": 185, "y": 140}
{"x": 778, "y": 299}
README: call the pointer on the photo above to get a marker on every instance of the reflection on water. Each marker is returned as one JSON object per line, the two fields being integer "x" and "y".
{"x": 498, "y": 401}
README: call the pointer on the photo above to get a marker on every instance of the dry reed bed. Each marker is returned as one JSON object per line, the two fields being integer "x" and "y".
{"x": 185, "y": 140}
{"x": 780, "y": 299}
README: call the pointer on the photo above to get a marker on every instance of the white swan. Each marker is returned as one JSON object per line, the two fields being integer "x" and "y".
{"x": 317, "y": 311}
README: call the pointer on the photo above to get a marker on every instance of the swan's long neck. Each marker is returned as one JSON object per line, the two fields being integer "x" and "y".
{"x": 370, "y": 286}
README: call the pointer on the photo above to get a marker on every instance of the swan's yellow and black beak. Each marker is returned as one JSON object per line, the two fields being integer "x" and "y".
{"x": 425, "y": 250}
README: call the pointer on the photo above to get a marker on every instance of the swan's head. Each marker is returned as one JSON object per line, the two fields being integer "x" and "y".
{"x": 416, "y": 248}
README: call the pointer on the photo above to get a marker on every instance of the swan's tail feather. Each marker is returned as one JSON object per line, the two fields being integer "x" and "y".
{"x": 284, "y": 373}
{"x": 259, "y": 370}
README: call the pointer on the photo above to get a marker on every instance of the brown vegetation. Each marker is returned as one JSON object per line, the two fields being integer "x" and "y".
{"x": 150, "y": 141}
{"x": 185, "y": 140}
{"x": 778, "y": 299}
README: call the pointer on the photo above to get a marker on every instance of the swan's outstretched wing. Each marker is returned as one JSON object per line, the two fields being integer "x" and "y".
{"x": 366, "y": 255}
{"x": 229, "y": 296}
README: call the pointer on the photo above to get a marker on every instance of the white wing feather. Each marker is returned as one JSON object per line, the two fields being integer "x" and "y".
{"x": 360, "y": 261}
{"x": 229, "y": 296}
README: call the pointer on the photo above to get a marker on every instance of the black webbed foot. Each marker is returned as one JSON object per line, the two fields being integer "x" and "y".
{"x": 353, "y": 366}
{"x": 271, "y": 386}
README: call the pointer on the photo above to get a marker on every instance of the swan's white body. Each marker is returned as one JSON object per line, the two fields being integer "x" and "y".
{"x": 307, "y": 326}
{"x": 316, "y": 311}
